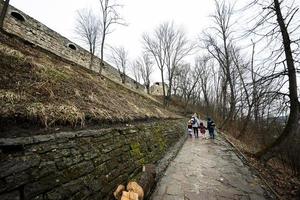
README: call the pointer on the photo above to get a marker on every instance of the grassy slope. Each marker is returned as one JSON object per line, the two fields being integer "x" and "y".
{"x": 39, "y": 88}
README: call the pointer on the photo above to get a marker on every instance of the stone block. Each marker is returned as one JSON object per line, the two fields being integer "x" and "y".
{"x": 44, "y": 169}
{"x": 14, "y": 195}
{"x": 66, "y": 190}
{"x": 90, "y": 155}
{"x": 93, "y": 183}
{"x": 42, "y": 185}
{"x": 15, "y": 165}
{"x": 15, "y": 180}
{"x": 44, "y": 148}
{"x": 16, "y": 141}
{"x": 65, "y": 162}
{"x": 43, "y": 138}
{"x": 84, "y": 194}
{"x": 78, "y": 170}
{"x": 100, "y": 170}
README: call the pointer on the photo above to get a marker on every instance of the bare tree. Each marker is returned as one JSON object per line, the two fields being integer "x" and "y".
{"x": 203, "y": 67}
{"x": 176, "y": 81}
{"x": 119, "y": 57}
{"x": 3, "y": 13}
{"x": 168, "y": 46}
{"x": 135, "y": 68}
{"x": 177, "y": 47}
{"x": 88, "y": 29}
{"x": 284, "y": 56}
{"x": 109, "y": 17}
{"x": 221, "y": 52}
{"x": 154, "y": 46}
{"x": 188, "y": 80}
{"x": 146, "y": 69}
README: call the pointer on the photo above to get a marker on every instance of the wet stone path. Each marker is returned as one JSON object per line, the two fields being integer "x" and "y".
{"x": 208, "y": 169}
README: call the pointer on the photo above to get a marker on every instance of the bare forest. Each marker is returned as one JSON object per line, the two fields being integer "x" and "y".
{"x": 242, "y": 71}
{"x": 244, "y": 75}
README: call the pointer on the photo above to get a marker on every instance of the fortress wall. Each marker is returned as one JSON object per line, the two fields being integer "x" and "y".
{"x": 86, "y": 164}
{"x": 39, "y": 34}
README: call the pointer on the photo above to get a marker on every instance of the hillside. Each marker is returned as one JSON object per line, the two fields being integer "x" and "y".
{"x": 40, "y": 91}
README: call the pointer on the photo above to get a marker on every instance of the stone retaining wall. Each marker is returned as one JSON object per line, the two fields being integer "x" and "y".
{"x": 85, "y": 164}
{"x": 26, "y": 27}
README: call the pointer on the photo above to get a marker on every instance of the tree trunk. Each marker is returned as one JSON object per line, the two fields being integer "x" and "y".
{"x": 169, "y": 92}
{"x": 289, "y": 139}
{"x": 91, "y": 61}
{"x": 122, "y": 78}
{"x": 101, "y": 54}
{"x": 3, "y": 13}
{"x": 148, "y": 88}
{"x": 163, "y": 85}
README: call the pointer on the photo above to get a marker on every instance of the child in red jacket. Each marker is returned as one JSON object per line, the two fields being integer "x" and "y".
{"x": 202, "y": 129}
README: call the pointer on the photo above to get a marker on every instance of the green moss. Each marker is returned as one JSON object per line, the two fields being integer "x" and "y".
{"x": 136, "y": 150}
{"x": 158, "y": 137}
{"x": 142, "y": 161}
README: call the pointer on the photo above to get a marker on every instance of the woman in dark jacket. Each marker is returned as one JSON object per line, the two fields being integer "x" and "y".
{"x": 211, "y": 127}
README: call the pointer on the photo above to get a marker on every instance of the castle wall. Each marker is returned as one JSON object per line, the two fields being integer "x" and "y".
{"x": 157, "y": 89}
{"x": 39, "y": 34}
{"x": 86, "y": 164}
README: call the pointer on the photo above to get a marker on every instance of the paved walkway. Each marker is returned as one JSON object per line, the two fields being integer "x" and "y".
{"x": 208, "y": 169}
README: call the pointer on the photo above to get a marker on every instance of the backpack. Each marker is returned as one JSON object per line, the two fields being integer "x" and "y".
{"x": 213, "y": 123}
{"x": 193, "y": 121}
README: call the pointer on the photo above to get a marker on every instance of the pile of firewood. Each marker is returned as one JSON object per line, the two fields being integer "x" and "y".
{"x": 139, "y": 189}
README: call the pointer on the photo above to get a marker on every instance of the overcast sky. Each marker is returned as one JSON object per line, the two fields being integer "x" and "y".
{"x": 141, "y": 16}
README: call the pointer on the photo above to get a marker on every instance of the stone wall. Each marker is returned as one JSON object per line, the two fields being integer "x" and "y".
{"x": 24, "y": 26}
{"x": 157, "y": 89}
{"x": 85, "y": 164}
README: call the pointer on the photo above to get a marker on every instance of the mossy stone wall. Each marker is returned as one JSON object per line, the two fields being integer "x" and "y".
{"x": 86, "y": 164}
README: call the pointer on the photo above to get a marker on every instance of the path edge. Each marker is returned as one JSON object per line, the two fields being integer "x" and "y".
{"x": 269, "y": 190}
{"x": 164, "y": 163}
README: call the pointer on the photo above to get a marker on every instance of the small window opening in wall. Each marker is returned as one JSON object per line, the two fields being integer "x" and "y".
{"x": 72, "y": 46}
{"x": 156, "y": 83}
{"x": 17, "y": 16}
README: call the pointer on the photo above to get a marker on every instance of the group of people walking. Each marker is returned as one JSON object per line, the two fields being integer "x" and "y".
{"x": 195, "y": 126}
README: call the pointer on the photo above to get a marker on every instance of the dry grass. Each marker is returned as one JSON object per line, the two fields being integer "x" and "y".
{"x": 39, "y": 88}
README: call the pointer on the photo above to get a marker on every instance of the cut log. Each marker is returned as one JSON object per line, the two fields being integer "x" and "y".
{"x": 147, "y": 179}
{"x": 136, "y": 188}
{"x": 118, "y": 192}
{"x": 139, "y": 189}
{"x": 129, "y": 196}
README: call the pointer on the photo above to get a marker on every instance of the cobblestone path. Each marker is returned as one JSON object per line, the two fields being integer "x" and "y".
{"x": 208, "y": 169}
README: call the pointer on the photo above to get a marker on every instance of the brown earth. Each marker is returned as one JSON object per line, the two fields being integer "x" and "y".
{"x": 40, "y": 91}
